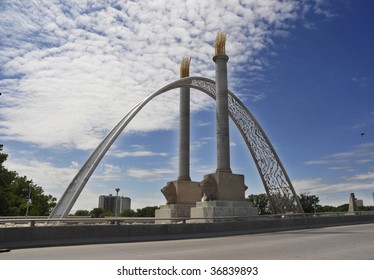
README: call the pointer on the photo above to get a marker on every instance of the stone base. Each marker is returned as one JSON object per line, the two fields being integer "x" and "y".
{"x": 223, "y": 185}
{"x": 182, "y": 192}
{"x": 222, "y": 211}
{"x": 172, "y": 212}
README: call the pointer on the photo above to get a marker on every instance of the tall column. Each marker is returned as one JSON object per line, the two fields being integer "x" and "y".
{"x": 222, "y": 107}
{"x": 184, "y": 124}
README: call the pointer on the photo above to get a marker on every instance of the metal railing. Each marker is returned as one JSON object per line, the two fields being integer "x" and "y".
{"x": 18, "y": 221}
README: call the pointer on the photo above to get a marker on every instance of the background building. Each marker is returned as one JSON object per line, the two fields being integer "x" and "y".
{"x": 359, "y": 202}
{"x": 114, "y": 204}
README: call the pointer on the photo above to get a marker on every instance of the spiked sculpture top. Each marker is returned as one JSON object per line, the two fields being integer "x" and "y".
{"x": 220, "y": 43}
{"x": 185, "y": 67}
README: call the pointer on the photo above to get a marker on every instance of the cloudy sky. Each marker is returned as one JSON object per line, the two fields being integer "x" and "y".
{"x": 70, "y": 70}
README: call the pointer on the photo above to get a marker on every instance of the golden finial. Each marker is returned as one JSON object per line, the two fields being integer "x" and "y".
{"x": 220, "y": 43}
{"x": 185, "y": 66}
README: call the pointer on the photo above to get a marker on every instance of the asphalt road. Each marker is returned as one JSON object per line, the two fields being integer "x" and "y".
{"x": 354, "y": 242}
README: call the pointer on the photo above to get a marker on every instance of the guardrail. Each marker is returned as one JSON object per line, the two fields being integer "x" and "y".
{"x": 45, "y": 221}
{"x": 17, "y": 221}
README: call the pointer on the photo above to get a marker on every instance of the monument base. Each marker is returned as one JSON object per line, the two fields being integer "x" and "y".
{"x": 182, "y": 192}
{"x": 173, "y": 213}
{"x": 223, "y": 185}
{"x": 222, "y": 211}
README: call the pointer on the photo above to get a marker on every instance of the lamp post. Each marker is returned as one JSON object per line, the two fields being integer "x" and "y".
{"x": 116, "y": 210}
{"x": 28, "y": 202}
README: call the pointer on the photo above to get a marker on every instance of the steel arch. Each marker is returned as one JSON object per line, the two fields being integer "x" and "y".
{"x": 276, "y": 182}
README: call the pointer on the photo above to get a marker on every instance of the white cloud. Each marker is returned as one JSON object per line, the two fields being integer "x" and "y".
{"x": 356, "y": 161}
{"x": 110, "y": 172}
{"x": 317, "y": 162}
{"x": 366, "y": 176}
{"x": 136, "y": 154}
{"x": 319, "y": 186}
{"x": 359, "y": 154}
{"x": 52, "y": 178}
{"x": 197, "y": 144}
{"x": 149, "y": 174}
{"x": 73, "y": 69}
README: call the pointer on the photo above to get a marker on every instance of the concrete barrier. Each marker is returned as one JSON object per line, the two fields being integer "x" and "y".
{"x": 24, "y": 237}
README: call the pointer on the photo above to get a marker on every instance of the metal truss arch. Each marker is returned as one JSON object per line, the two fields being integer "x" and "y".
{"x": 276, "y": 182}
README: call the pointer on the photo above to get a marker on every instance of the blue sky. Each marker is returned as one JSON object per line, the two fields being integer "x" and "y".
{"x": 70, "y": 70}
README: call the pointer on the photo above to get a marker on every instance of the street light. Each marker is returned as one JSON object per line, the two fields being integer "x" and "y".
{"x": 116, "y": 210}
{"x": 28, "y": 202}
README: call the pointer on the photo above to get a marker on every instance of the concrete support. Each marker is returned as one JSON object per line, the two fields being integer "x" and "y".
{"x": 352, "y": 203}
{"x": 184, "y": 124}
{"x": 222, "y": 211}
{"x": 184, "y": 134}
{"x": 222, "y": 113}
{"x": 173, "y": 213}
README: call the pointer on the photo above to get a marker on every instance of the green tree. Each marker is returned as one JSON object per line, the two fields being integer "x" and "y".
{"x": 148, "y": 211}
{"x": 14, "y": 194}
{"x": 365, "y": 208}
{"x": 97, "y": 212}
{"x": 100, "y": 213}
{"x": 261, "y": 201}
{"x": 128, "y": 213}
{"x": 82, "y": 213}
{"x": 342, "y": 208}
{"x": 327, "y": 208}
{"x": 309, "y": 203}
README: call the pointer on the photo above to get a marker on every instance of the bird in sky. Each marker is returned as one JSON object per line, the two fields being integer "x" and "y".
{"x": 364, "y": 133}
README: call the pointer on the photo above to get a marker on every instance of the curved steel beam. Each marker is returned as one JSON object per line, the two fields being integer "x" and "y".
{"x": 274, "y": 177}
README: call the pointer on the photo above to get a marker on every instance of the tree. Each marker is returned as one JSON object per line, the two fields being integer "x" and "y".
{"x": 342, "y": 208}
{"x": 82, "y": 213}
{"x": 14, "y": 194}
{"x": 97, "y": 212}
{"x": 148, "y": 211}
{"x": 327, "y": 208}
{"x": 260, "y": 201}
{"x": 309, "y": 203}
{"x": 128, "y": 213}
{"x": 365, "y": 208}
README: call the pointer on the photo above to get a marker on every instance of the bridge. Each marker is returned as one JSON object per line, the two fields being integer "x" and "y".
{"x": 39, "y": 232}
{"x": 348, "y": 242}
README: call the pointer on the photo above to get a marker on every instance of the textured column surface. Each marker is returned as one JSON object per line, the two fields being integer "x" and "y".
{"x": 184, "y": 125}
{"x": 184, "y": 135}
{"x": 222, "y": 113}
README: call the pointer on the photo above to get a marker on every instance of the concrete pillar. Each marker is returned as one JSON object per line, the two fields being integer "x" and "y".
{"x": 352, "y": 203}
{"x": 184, "y": 125}
{"x": 222, "y": 106}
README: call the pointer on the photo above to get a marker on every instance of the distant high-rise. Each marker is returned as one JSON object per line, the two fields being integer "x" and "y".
{"x": 114, "y": 204}
{"x": 359, "y": 202}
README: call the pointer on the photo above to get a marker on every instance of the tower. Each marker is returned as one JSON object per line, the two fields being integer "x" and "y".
{"x": 181, "y": 194}
{"x": 222, "y": 104}
{"x": 223, "y": 192}
{"x": 184, "y": 124}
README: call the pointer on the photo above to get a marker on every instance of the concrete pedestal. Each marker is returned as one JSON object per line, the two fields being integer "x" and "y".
{"x": 222, "y": 211}
{"x": 168, "y": 214}
{"x": 223, "y": 185}
{"x": 182, "y": 192}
